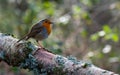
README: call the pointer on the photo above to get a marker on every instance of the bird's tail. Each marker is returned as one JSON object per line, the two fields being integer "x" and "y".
{"x": 23, "y": 38}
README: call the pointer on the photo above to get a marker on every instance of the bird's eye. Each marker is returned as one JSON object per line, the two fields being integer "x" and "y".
{"x": 46, "y": 21}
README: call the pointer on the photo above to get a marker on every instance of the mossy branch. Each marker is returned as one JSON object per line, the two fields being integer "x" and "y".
{"x": 28, "y": 56}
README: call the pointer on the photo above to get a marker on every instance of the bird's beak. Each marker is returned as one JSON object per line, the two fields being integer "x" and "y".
{"x": 52, "y": 23}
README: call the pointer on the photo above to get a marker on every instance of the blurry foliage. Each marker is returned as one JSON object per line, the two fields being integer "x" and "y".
{"x": 90, "y": 2}
{"x": 91, "y": 32}
{"x": 107, "y": 34}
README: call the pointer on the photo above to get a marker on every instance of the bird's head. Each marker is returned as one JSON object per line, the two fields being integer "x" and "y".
{"x": 47, "y": 22}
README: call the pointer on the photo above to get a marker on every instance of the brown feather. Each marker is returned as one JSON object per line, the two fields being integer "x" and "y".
{"x": 34, "y": 31}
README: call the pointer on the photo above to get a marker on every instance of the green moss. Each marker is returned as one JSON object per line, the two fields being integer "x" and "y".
{"x": 30, "y": 46}
{"x": 73, "y": 59}
{"x": 7, "y": 34}
{"x": 2, "y": 55}
{"x": 85, "y": 65}
{"x": 60, "y": 60}
{"x": 32, "y": 64}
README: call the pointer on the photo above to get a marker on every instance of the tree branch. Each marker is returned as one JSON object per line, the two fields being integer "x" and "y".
{"x": 40, "y": 61}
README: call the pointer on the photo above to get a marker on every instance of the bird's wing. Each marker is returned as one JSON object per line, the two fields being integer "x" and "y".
{"x": 35, "y": 30}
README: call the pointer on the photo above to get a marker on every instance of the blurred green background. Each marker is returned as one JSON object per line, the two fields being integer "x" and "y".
{"x": 86, "y": 29}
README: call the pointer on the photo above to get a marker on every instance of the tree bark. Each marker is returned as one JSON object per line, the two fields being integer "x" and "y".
{"x": 26, "y": 55}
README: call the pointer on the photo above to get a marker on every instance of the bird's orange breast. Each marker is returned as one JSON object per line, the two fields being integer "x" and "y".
{"x": 48, "y": 27}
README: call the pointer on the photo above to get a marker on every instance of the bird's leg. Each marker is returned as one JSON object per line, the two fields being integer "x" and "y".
{"x": 39, "y": 44}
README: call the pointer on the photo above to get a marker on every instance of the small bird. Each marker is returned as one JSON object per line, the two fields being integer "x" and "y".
{"x": 39, "y": 31}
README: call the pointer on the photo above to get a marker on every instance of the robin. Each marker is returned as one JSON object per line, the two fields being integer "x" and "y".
{"x": 39, "y": 31}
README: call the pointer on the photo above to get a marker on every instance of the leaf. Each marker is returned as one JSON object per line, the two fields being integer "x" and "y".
{"x": 94, "y": 37}
{"x": 107, "y": 29}
{"x": 115, "y": 38}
